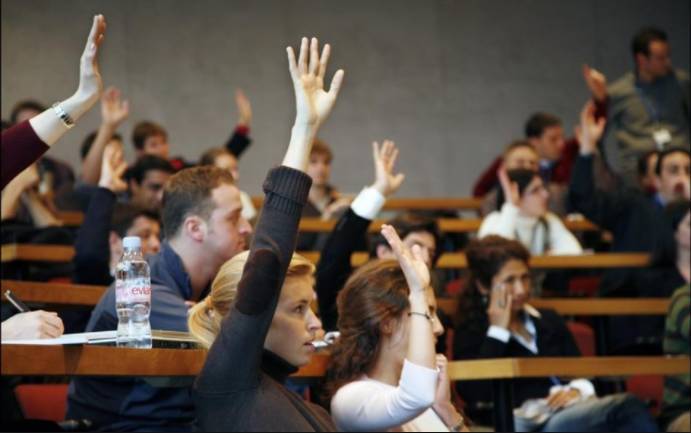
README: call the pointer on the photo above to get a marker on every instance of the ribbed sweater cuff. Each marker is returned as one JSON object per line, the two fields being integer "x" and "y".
{"x": 287, "y": 189}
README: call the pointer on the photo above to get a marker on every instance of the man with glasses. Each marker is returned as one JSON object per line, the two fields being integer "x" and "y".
{"x": 647, "y": 109}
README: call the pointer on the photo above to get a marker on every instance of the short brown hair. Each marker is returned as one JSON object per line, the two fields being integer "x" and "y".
{"x": 188, "y": 192}
{"x": 209, "y": 157}
{"x": 517, "y": 144}
{"x": 319, "y": 147}
{"x": 144, "y": 130}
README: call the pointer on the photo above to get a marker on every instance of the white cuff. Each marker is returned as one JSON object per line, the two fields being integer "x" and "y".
{"x": 584, "y": 386}
{"x": 368, "y": 203}
{"x": 499, "y": 333}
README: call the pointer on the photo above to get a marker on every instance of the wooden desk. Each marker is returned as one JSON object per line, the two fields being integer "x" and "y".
{"x": 54, "y": 293}
{"x": 587, "y": 307}
{"x": 70, "y": 218}
{"x": 37, "y": 252}
{"x": 592, "y": 261}
{"x": 20, "y": 360}
{"x": 422, "y": 203}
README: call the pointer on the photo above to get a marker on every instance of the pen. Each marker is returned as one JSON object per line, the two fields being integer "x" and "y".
{"x": 19, "y": 305}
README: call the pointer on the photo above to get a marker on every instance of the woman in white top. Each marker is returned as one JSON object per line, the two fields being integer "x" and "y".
{"x": 524, "y": 216}
{"x": 384, "y": 373}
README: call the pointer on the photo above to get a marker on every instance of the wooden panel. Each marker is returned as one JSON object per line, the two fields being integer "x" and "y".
{"x": 37, "y": 252}
{"x": 601, "y": 366}
{"x": 70, "y": 218}
{"x": 588, "y": 307}
{"x": 425, "y": 203}
{"x": 54, "y": 293}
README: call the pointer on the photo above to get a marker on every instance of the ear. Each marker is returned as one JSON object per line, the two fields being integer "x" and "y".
{"x": 383, "y": 252}
{"x": 195, "y": 228}
{"x": 388, "y": 326}
{"x": 481, "y": 288}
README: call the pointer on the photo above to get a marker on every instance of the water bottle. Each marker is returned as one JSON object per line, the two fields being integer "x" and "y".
{"x": 133, "y": 296}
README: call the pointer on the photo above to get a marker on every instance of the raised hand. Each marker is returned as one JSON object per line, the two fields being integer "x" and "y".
{"x": 112, "y": 169}
{"x": 114, "y": 111}
{"x": 90, "y": 83}
{"x": 412, "y": 261}
{"x": 244, "y": 108}
{"x": 313, "y": 103}
{"x": 511, "y": 191}
{"x": 590, "y": 130}
{"x": 499, "y": 308}
{"x": 596, "y": 82}
{"x": 27, "y": 179}
{"x": 386, "y": 182}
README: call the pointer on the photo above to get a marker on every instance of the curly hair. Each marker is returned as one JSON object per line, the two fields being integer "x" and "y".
{"x": 485, "y": 257}
{"x": 374, "y": 294}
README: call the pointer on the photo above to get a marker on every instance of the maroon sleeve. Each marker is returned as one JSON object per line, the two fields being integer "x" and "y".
{"x": 20, "y": 148}
{"x": 562, "y": 171}
{"x": 488, "y": 179}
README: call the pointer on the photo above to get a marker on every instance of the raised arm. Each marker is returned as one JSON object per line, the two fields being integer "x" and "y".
{"x": 334, "y": 266}
{"x": 24, "y": 143}
{"x": 114, "y": 111}
{"x": 503, "y": 223}
{"x": 235, "y": 357}
{"x": 240, "y": 141}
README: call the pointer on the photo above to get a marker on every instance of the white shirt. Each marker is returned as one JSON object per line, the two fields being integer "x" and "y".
{"x": 509, "y": 223}
{"x": 369, "y": 405}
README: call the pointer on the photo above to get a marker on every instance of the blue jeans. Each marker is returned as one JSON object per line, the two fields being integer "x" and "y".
{"x": 613, "y": 413}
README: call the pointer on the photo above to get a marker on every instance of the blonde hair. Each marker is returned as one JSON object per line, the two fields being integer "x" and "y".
{"x": 204, "y": 320}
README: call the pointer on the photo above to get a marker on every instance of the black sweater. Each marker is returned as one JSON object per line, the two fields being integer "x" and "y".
{"x": 553, "y": 339}
{"x": 240, "y": 387}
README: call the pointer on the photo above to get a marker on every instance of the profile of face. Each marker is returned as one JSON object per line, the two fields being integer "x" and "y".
{"x": 550, "y": 144}
{"x": 147, "y": 229}
{"x": 319, "y": 169}
{"x": 683, "y": 233}
{"x": 648, "y": 180}
{"x": 658, "y": 62}
{"x": 225, "y": 230}
{"x": 521, "y": 157}
{"x": 294, "y": 325}
{"x": 425, "y": 240}
{"x": 149, "y": 194}
{"x": 397, "y": 332}
{"x": 534, "y": 199}
{"x": 674, "y": 181}
{"x": 156, "y": 145}
{"x": 514, "y": 277}
{"x": 26, "y": 114}
{"x": 228, "y": 162}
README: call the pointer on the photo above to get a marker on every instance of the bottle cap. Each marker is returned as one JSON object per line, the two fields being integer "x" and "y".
{"x": 132, "y": 242}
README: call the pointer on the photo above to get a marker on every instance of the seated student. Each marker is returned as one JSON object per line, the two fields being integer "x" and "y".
{"x": 523, "y": 216}
{"x": 383, "y": 372}
{"x": 203, "y": 228}
{"x": 25, "y": 142}
{"x": 496, "y": 321}
{"x": 268, "y": 331}
{"x": 98, "y": 246}
{"x": 146, "y": 180}
{"x": 225, "y": 159}
{"x": 150, "y": 138}
{"x": 22, "y": 203}
{"x": 646, "y": 172}
{"x": 636, "y": 220}
{"x": 518, "y": 154}
{"x": 676, "y": 415}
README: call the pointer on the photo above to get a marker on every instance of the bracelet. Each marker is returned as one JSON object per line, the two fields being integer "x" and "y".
{"x": 425, "y": 315}
{"x": 62, "y": 114}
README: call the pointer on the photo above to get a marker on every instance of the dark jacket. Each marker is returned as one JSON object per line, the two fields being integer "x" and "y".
{"x": 241, "y": 386}
{"x": 553, "y": 339}
{"x": 92, "y": 246}
{"x": 136, "y": 403}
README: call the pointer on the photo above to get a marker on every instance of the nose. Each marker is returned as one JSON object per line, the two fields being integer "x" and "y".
{"x": 519, "y": 289}
{"x": 155, "y": 244}
{"x": 245, "y": 226}
{"x": 159, "y": 197}
{"x": 437, "y": 328}
{"x": 314, "y": 325}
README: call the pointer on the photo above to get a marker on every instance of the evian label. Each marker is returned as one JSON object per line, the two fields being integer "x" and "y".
{"x": 133, "y": 291}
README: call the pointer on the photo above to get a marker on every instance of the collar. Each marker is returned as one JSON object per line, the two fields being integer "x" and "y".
{"x": 547, "y": 164}
{"x": 659, "y": 201}
{"x": 532, "y": 311}
{"x": 278, "y": 368}
{"x": 176, "y": 269}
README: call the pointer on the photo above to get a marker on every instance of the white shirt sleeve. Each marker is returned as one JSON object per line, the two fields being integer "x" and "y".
{"x": 501, "y": 223}
{"x": 367, "y": 405}
{"x": 368, "y": 203}
{"x": 561, "y": 241}
{"x": 499, "y": 333}
{"x": 584, "y": 386}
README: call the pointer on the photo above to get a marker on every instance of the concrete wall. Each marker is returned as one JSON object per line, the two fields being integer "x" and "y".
{"x": 451, "y": 81}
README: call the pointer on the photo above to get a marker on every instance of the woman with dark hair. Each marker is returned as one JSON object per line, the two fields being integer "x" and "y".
{"x": 522, "y": 215}
{"x": 384, "y": 373}
{"x": 495, "y": 321}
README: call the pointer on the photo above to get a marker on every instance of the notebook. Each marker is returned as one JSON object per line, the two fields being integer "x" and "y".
{"x": 160, "y": 339}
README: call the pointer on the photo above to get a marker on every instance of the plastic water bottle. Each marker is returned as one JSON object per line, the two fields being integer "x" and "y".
{"x": 133, "y": 296}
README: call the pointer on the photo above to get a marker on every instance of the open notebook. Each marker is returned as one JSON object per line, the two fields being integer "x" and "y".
{"x": 161, "y": 339}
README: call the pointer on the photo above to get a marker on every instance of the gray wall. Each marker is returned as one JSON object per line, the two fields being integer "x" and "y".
{"x": 451, "y": 81}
